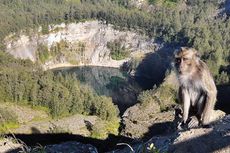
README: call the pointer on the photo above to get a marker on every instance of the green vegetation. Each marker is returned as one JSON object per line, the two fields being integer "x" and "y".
{"x": 101, "y": 129}
{"x": 148, "y": 96}
{"x": 42, "y": 53}
{"x": 173, "y": 22}
{"x": 191, "y": 23}
{"x": 98, "y": 131}
{"x": 164, "y": 2}
{"x": 23, "y": 82}
{"x": 165, "y": 96}
{"x": 8, "y": 120}
{"x": 194, "y": 24}
{"x": 73, "y": 53}
{"x": 117, "y": 51}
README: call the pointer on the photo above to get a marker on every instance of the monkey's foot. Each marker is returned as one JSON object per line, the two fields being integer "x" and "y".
{"x": 193, "y": 122}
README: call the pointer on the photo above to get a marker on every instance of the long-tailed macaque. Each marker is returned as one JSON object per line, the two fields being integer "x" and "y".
{"x": 197, "y": 90}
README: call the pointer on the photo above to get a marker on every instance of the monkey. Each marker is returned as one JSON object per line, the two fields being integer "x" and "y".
{"x": 197, "y": 90}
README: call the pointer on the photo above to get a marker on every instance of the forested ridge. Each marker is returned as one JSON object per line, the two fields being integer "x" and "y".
{"x": 199, "y": 24}
{"x": 25, "y": 83}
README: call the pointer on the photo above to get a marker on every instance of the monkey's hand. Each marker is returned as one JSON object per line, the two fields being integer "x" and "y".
{"x": 193, "y": 122}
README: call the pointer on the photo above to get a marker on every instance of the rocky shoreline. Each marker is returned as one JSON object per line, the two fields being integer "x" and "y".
{"x": 110, "y": 64}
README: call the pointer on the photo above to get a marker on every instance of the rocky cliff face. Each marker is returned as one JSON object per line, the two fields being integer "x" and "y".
{"x": 83, "y": 43}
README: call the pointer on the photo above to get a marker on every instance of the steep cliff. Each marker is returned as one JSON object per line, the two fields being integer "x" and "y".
{"x": 83, "y": 43}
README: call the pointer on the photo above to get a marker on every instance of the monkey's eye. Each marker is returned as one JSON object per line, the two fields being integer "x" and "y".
{"x": 177, "y": 60}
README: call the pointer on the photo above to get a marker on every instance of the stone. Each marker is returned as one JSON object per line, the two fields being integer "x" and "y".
{"x": 71, "y": 147}
{"x": 93, "y": 34}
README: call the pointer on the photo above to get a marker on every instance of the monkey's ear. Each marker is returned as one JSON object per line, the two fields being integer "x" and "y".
{"x": 175, "y": 53}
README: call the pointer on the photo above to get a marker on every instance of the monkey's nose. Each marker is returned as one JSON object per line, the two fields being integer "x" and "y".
{"x": 181, "y": 69}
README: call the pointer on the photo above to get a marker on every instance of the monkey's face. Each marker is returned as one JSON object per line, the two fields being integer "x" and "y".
{"x": 185, "y": 61}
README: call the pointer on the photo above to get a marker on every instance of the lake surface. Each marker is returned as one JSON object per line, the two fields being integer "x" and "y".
{"x": 110, "y": 82}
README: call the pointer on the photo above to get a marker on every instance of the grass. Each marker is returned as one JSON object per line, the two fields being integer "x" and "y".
{"x": 8, "y": 120}
{"x": 39, "y": 108}
{"x": 112, "y": 126}
{"x": 119, "y": 55}
{"x": 6, "y": 126}
{"x": 101, "y": 129}
{"x": 25, "y": 104}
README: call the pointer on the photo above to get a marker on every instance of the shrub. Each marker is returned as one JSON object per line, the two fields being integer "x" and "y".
{"x": 117, "y": 51}
{"x": 43, "y": 53}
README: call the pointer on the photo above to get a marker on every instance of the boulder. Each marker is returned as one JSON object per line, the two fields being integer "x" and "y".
{"x": 215, "y": 138}
{"x": 71, "y": 147}
{"x": 139, "y": 123}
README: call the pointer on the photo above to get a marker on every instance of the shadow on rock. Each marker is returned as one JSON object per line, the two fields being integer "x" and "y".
{"x": 209, "y": 142}
{"x": 151, "y": 71}
{"x": 223, "y": 98}
{"x": 162, "y": 129}
{"x": 197, "y": 140}
{"x": 49, "y": 139}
